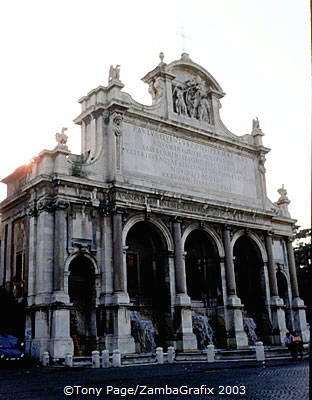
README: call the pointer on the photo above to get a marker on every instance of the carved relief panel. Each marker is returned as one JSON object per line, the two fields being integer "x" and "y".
{"x": 191, "y": 99}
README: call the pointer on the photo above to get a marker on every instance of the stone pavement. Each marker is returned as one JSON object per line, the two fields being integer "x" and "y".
{"x": 276, "y": 380}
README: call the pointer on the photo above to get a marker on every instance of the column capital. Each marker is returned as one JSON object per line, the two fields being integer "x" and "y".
{"x": 46, "y": 205}
{"x": 290, "y": 239}
{"x": 227, "y": 227}
{"x": 32, "y": 210}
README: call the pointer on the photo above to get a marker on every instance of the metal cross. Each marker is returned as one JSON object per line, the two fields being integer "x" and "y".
{"x": 183, "y": 37}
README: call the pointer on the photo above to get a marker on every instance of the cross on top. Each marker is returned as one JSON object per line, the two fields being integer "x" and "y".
{"x": 183, "y": 36}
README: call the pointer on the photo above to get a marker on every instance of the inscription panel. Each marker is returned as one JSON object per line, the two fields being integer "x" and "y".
{"x": 186, "y": 165}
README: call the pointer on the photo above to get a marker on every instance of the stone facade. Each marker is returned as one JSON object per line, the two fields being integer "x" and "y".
{"x": 161, "y": 227}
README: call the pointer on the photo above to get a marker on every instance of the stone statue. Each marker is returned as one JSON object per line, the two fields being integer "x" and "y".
{"x": 255, "y": 124}
{"x": 61, "y": 138}
{"x": 204, "y": 110}
{"x": 283, "y": 195}
{"x": 156, "y": 89}
{"x": 180, "y": 105}
{"x": 114, "y": 73}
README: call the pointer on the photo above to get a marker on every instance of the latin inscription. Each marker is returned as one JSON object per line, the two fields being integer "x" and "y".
{"x": 183, "y": 163}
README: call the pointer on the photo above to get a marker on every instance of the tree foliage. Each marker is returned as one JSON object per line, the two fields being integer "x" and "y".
{"x": 302, "y": 250}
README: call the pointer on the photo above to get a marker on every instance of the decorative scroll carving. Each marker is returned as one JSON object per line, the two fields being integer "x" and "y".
{"x": 49, "y": 205}
{"x": 262, "y": 161}
{"x": 61, "y": 204}
{"x": 107, "y": 207}
{"x": 32, "y": 209}
{"x": 117, "y": 118}
{"x": 191, "y": 99}
{"x": 46, "y": 205}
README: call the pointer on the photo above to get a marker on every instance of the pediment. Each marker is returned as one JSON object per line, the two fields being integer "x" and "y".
{"x": 187, "y": 72}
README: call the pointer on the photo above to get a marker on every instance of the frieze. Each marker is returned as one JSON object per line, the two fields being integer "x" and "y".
{"x": 179, "y": 205}
{"x": 47, "y": 205}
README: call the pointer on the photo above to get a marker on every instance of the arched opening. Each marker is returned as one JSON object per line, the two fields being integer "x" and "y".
{"x": 204, "y": 286}
{"x": 250, "y": 283}
{"x": 81, "y": 290}
{"x": 148, "y": 286}
{"x": 203, "y": 278}
{"x": 283, "y": 294}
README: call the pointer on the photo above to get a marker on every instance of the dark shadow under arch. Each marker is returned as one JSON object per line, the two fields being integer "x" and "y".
{"x": 148, "y": 281}
{"x": 81, "y": 290}
{"x": 203, "y": 277}
{"x": 250, "y": 283}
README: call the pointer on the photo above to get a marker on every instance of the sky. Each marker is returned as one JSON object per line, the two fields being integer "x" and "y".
{"x": 55, "y": 52}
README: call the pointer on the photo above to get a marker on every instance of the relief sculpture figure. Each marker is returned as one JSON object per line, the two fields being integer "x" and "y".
{"x": 204, "y": 110}
{"x": 179, "y": 102}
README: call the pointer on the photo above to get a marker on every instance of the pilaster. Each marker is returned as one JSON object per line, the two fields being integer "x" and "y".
{"x": 186, "y": 340}
{"x": 277, "y": 304}
{"x": 237, "y": 335}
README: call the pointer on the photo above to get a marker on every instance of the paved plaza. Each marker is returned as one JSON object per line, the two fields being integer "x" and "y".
{"x": 282, "y": 380}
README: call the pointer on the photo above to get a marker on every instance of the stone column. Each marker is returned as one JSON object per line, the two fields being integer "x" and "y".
{"x": 32, "y": 240}
{"x": 300, "y": 322}
{"x": 43, "y": 288}
{"x": 186, "y": 340}
{"x": 60, "y": 342}
{"x": 60, "y": 235}
{"x": 45, "y": 252}
{"x": 8, "y": 253}
{"x": 277, "y": 304}
{"x": 122, "y": 338}
{"x": 237, "y": 335}
{"x": 119, "y": 272}
{"x": 180, "y": 277}
{"x": 229, "y": 264}
{"x": 292, "y": 269}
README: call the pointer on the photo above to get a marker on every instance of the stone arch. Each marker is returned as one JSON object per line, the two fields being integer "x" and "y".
{"x": 147, "y": 259}
{"x": 84, "y": 253}
{"x": 252, "y": 284}
{"x": 210, "y": 231}
{"x": 253, "y": 236}
{"x": 159, "y": 224}
{"x": 82, "y": 285}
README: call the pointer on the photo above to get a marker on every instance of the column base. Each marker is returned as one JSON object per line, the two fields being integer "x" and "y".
{"x": 237, "y": 335}
{"x": 278, "y": 320}
{"x": 121, "y": 338}
{"x": 186, "y": 339}
{"x": 300, "y": 321}
{"x": 120, "y": 298}
{"x": 60, "y": 297}
{"x": 38, "y": 346}
{"x": 125, "y": 344}
{"x": 59, "y": 347}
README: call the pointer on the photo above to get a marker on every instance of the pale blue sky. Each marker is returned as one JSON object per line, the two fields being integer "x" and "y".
{"x": 54, "y": 52}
